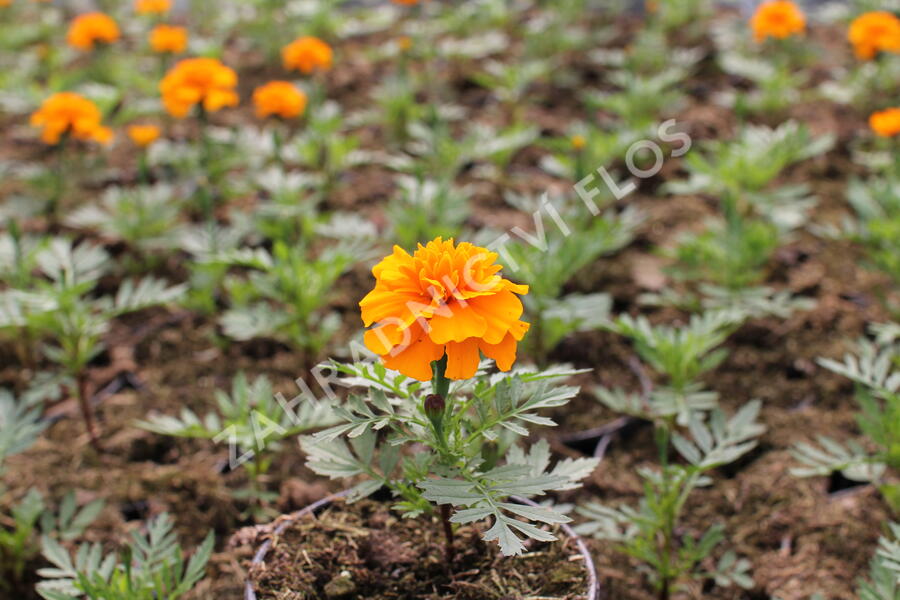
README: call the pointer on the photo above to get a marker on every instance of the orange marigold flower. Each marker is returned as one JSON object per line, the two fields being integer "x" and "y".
{"x": 143, "y": 135}
{"x": 280, "y": 99}
{"x": 578, "y": 142}
{"x": 203, "y": 81}
{"x": 405, "y": 2}
{"x": 886, "y": 123}
{"x": 874, "y": 32}
{"x": 152, "y": 7}
{"x": 778, "y": 19}
{"x": 67, "y": 113}
{"x": 307, "y": 54}
{"x": 92, "y": 28}
{"x": 168, "y": 38}
{"x": 5, "y": 3}
{"x": 443, "y": 300}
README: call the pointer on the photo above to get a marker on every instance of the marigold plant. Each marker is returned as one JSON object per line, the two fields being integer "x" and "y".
{"x": 279, "y": 99}
{"x": 307, "y": 54}
{"x": 152, "y": 7}
{"x": 874, "y": 32}
{"x": 168, "y": 39}
{"x": 68, "y": 113}
{"x": 89, "y": 29}
{"x": 143, "y": 135}
{"x": 198, "y": 81}
{"x": 443, "y": 300}
{"x": 778, "y": 19}
{"x": 886, "y": 123}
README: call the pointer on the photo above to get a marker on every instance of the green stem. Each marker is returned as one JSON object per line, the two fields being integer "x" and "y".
{"x": 662, "y": 436}
{"x": 440, "y": 385}
{"x": 206, "y": 197}
{"x": 60, "y": 178}
{"x": 86, "y": 411}
{"x": 277, "y": 144}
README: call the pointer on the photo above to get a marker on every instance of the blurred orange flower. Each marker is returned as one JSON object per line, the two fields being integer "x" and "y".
{"x": 90, "y": 28}
{"x": 149, "y": 7}
{"x": 67, "y": 113}
{"x": 778, "y": 19}
{"x": 307, "y": 54}
{"x": 874, "y": 32}
{"x": 886, "y": 123}
{"x": 405, "y": 2}
{"x": 578, "y": 142}
{"x": 443, "y": 300}
{"x": 168, "y": 38}
{"x": 143, "y": 135}
{"x": 198, "y": 81}
{"x": 5, "y": 3}
{"x": 279, "y": 99}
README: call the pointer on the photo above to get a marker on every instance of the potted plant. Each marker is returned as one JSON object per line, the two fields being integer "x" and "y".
{"x": 440, "y": 502}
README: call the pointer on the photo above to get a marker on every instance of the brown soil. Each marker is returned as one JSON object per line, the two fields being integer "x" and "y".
{"x": 366, "y": 551}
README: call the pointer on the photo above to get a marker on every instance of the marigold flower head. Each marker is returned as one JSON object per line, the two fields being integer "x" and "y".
{"x": 886, "y": 123}
{"x": 404, "y": 43}
{"x": 5, "y": 3}
{"x": 152, "y": 7}
{"x": 143, "y": 135}
{"x": 307, "y": 54}
{"x": 67, "y": 113}
{"x": 405, "y": 2}
{"x": 578, "y": 142}
{"x": 168, "y": 38}
{"x": 279, "y": 99}
{"x": 874, "y": 32}
{"x": 91, "y": 28}
{"x": 778, "y": 19}
{"x": 203, "y": 81}
{"x": 445, "y": 299}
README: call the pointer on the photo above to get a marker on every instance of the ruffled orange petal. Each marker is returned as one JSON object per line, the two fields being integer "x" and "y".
{"x": 455, "y": 322}
{"x": 415, "y": 359}
{"x": 462, "y": 359}
{"x": 504, "y": 353}
{"x": 500, "y": 311}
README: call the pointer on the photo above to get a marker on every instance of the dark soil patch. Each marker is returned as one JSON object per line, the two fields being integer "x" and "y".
{"x": 364, "y": 550}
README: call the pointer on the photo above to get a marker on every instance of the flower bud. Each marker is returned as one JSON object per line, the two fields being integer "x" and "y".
{"x": 434, "y": 406}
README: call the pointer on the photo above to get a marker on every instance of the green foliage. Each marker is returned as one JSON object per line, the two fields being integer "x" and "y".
{"x": 151, "y": 567}
{"x": 682, "y": 355}
{"x": 877, "y": 206}
{"x": 459, "y": 446}
{"x": 747, "y": 164}
{"x": 874, "y": 371}
{"x": 680, "y": 15}
{"x": 20, "y": 425}
{"x": 19, "y": 539}
{"x": 425, "y": 209}
{"x": 731, "y": 261}
{"x": 776, "y": 86}
{"x": 441, "y": 156}
{"x": 296, "y": 281}
{"x": 552, "y": 256}
{"x": 641, "y": 100}
{"x": 145, "y": 217}
{"x": 510, "y": 82}
{"x": 650, "y": 532}
{"x": 71, "y": 317}
{"x": 253, "y": 420}
{"x": 884, "y": 574}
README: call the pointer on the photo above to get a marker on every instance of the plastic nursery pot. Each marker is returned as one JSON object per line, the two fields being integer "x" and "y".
{"x": 579, "y": 553}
